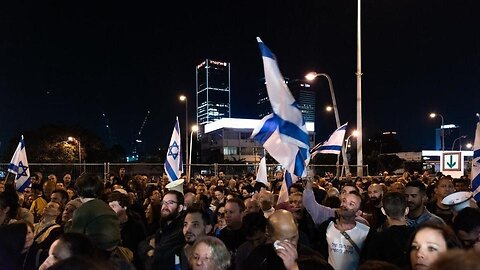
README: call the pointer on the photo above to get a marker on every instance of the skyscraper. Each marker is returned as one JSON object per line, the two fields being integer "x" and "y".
{"x": 302, "y": 93}
{"x": 213, "y": 92}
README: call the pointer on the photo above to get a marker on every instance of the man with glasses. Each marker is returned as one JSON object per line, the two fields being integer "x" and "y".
{"x": 169, "y": 237}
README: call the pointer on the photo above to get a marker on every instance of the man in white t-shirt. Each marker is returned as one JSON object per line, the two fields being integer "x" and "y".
{"x": 342, "y": 253}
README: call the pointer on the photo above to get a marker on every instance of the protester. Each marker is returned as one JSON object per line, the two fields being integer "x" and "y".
{"x": 281, "y": 249}
{"x": 68, "y": 245}
{"x": 428, "y": 242}
{"x": 456, "y": 259}
{"x": 132, "y": 229}
{"x": 443, "y": 188}
{"x": 390, "y": 244}
{"x": 12, "y": 244}
{"x": 169, "y": 236}
{"x": 416, "y": 196}
{"x": 467, "y": 227}
{"x": 232, "y": 235}
{"x": 254, "y": 226}
{"x": 209, "y": 253}
{"x": 342, "y": 238}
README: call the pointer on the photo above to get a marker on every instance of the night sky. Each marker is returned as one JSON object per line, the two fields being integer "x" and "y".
{"x": 68, "y": 62}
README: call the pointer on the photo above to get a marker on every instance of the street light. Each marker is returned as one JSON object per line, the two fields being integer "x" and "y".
{"x": 74, "y": 140}
{"x": 354, "y": 134}
{"x": 311, "y": 76}
{"x": 194, "y": 129}
{"x": 347, "y": 141}
{"x": 183, "y": 98}
{"x": 328, "y": 108}
{"x": 469, "y": 145}
{"x": 433, "y": 115}
{"x": 460, "y": 144}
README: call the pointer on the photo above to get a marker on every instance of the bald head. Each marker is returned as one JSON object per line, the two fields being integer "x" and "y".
{"x": 282, "y": 226}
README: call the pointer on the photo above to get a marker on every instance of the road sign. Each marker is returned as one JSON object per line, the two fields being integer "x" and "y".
{"x": 452, "y": 164}
{"x": 452, "y": 161}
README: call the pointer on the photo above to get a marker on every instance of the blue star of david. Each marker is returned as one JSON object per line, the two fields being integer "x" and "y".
{"x": 173, "y": 150}
{"x": 22, "y": 170}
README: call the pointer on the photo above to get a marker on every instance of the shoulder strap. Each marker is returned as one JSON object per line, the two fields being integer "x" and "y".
{"x": 43, "y": 231}
{"x": 347, "y": 236}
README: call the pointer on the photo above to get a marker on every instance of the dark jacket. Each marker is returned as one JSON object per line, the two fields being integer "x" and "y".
{"x": 169, "y": 241}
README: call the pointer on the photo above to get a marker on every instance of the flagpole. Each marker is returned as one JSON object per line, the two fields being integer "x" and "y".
{"x": 359, "y": 95}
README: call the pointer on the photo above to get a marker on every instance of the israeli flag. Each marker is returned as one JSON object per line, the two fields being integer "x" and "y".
{"x": 262, "y": 172}
{"x": 283, "y": 133}
{"x": 173, "y": 164}
{"x": 283, "y": 195}
{"x": 334, "y": 143}
{"x": 19, "y": 167}
{"x": 476, "y": 164}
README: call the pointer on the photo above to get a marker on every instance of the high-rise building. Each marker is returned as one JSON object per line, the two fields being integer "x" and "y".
{"x": 213, "y": 92}
{"x": 302, "y": 93}
{"x": 451, "y": 133}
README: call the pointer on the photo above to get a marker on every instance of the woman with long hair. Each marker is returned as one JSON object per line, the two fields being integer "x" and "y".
{"x": 428, "y": 242}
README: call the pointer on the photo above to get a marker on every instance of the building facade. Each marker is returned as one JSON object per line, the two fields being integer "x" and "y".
{"x": 213, "y": 92}
{"x": 452, "y": 135}
{"x": 302, "y": 93}
{"x": 229, "y": 139}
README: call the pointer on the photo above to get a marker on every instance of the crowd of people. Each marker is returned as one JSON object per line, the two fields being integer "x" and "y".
{"x": 220, "y": 222}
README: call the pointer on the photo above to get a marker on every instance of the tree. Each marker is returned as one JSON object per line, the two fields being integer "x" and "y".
{"x": 49, "y": 144}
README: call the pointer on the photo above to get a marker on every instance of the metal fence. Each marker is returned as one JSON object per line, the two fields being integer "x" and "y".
{"x": 156, "y": 169}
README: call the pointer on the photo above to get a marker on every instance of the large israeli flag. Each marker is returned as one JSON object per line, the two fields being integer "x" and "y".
{"x": 173, "y": 164}
{"x": 334, "y": 143}
{"x": 19, "y": 167}
{"x": 283, "y": 133}
{"x": 476, "y": 163}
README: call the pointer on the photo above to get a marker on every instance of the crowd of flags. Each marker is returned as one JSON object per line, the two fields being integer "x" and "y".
{"x": 282, "y": 133}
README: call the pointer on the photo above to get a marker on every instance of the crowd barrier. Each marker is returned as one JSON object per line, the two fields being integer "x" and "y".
{"x": 155, "y": 170}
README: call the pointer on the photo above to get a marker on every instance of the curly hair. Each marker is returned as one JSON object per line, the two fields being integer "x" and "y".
{"x": 220, "y": 255}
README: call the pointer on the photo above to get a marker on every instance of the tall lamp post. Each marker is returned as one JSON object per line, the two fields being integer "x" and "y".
{"x": 194, "y": 129}
{"x": 433, "y": 115}
{"x": 183, "y": 98}
{"x": 311, "y": 76}
{"x": 75, "y": 140}
{"x": 460, "y": 144}
{"x": 347, "y": 141}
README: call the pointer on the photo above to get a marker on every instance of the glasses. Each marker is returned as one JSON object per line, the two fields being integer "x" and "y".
{"x": 168, "y": 203}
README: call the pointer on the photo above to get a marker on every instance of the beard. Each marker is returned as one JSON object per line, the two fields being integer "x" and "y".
{"x": 190, "y": 238}
{"x": 346, "y": 213}
{"x": 167, "y": 215}
{"x": 375, "y": 201}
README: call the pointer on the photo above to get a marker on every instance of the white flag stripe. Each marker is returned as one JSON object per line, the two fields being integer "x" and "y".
{"x": 283, "y": 133}
{"x": 262, "y": 172}
{"x": 334, "y": 143}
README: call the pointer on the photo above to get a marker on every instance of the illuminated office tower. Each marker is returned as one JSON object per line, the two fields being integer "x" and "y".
{"x": 213, "y": 92}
